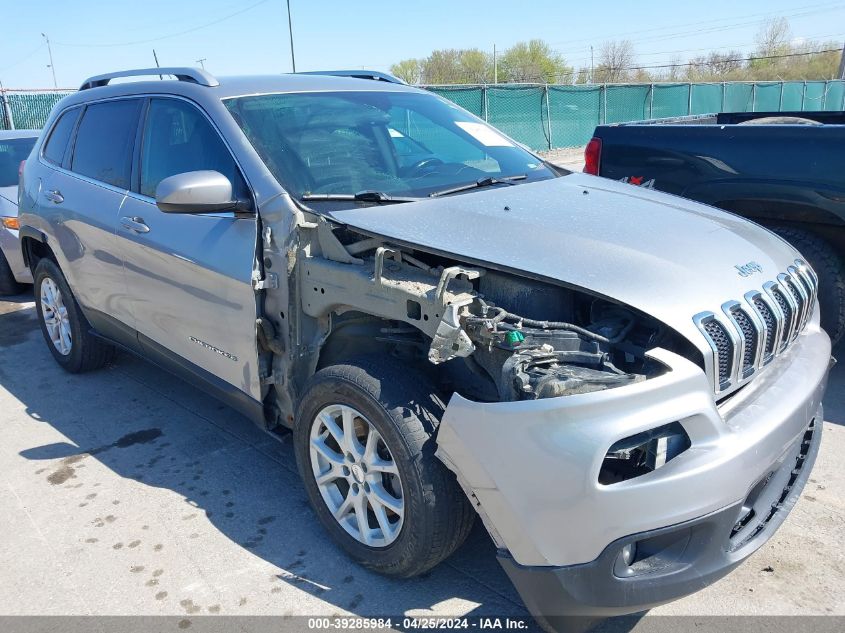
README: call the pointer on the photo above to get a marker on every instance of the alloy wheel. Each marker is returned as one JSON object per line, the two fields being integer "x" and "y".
{"x": 55, "y": 315}
{"x": 357, "y": 476}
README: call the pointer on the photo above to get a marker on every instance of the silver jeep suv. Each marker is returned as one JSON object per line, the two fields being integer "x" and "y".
{"x": 625, "y": 386}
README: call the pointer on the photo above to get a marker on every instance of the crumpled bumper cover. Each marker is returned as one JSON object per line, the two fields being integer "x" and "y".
{"x": 531, "y": 469}
{"x": 676, "y": 560}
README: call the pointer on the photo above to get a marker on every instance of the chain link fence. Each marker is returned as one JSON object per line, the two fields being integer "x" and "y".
{"x": 27, "y": 109}
{"x": 547, "y": 117}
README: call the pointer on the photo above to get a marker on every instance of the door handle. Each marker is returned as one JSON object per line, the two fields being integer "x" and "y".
{"x": 55, "y": 196}
{"x": 135, "y": 224}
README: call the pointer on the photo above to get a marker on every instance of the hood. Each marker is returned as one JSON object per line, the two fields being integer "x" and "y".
{"x": 661, "y": 254}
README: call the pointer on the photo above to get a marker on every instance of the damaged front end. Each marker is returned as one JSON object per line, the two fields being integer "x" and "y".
{"x": 489, "y": 335}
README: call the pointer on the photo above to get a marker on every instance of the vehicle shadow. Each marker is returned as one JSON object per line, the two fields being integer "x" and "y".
{"x": 147, "y": 426}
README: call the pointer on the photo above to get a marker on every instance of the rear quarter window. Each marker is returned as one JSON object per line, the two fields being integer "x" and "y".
{"x": 54, "y": 150}
{"x": 105, "y": 140}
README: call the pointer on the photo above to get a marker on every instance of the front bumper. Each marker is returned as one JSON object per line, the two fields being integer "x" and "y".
{"x": 531, "y": 468}
{"x": 11, "y": 249}
{"x": 672, "y": 562}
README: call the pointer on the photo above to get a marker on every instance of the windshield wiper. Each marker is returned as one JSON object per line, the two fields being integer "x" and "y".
{"x": 481, "y": 182}
{"x": 377, "y": 197}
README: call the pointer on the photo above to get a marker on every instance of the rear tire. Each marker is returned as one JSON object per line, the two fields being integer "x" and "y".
{"x": 65, "y": 328}
{"x": 402, "y": 407}
{"x": 831, "y": 271}
{"x": 8, "y": 283}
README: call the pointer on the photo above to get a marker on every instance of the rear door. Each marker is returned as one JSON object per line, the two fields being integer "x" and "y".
{"x": 190, "y": 276}
{"x": 81, "y": 195}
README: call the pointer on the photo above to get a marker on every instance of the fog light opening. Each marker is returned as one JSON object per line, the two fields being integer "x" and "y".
{"x": 643, "y": 453}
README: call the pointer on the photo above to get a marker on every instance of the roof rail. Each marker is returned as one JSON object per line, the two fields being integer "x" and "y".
{"x": 375, "y": 75}
{"x": 192, "y": 75}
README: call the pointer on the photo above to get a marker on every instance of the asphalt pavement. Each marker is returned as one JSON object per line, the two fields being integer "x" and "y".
{"x": 127, "y": 491}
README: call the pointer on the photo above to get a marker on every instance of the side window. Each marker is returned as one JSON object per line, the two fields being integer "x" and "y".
{"x": 54, "y": 150}
{"x": 177, "y": 139}
{"x": 104, "y": 142}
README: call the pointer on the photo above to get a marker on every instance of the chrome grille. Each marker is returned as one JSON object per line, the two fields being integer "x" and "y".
{"x": 747, "y": 335}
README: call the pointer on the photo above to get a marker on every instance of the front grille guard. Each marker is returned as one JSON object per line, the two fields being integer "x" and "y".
{"x": 747, "y": 335}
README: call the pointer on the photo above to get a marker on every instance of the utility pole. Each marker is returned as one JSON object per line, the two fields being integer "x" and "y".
{"x": 202, "y": 61}
{"x": 6, "y": 111}
{"x": 842, "y": 64}
{"x": 495, "y": 66}
{"x": 52, "y": 67}
{"x": 155, "y": 57}
{"x": 591, "y": 63}
{"x": 290, "y": 30}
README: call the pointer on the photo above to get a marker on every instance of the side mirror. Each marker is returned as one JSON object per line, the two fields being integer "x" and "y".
{"x": 197, "y": 192}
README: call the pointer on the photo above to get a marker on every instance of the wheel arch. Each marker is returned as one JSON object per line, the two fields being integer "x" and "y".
{"x": 34, "y": 246}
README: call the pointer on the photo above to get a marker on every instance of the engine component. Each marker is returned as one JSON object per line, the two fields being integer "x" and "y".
{"x": 530, "y": 358}
{"x": 543, "y": 372}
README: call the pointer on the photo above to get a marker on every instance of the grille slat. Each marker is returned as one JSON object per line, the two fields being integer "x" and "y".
{"x": 800, "y": 301}
{"x": 719, "y": 335}
{"x": 749, "y": 335}
{"x": 786, "y": 310}
{"x": 770, "y": 324}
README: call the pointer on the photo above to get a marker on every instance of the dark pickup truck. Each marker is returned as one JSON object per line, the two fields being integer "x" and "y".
{"x": 783, "y": 170}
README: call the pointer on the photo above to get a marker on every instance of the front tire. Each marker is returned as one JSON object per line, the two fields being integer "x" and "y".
{"x": 64, "y": 326}
{"x": 364, "y": 443}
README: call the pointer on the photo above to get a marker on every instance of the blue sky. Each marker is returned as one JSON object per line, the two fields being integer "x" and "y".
{"x": 90, "y": 37}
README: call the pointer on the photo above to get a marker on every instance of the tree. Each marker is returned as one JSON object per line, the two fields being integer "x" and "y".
{"x": 476, "y": 66}
{"x": 533, "y": 62}
{"x": 442, "y": 67}
{"x": 615, "y": 61}
{"x": 408, "y": 70}
{"x": 717, "y": 67}
{"x": 773, "y": 38}
{"x": 455, "y": 66}
{"x": 772, "y": 41}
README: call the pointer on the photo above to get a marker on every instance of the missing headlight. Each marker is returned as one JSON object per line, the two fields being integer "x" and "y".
{"x": 643, "y": 453}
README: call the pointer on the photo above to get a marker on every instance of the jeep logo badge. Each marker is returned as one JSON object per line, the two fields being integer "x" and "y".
{"x": 746, "y": 270}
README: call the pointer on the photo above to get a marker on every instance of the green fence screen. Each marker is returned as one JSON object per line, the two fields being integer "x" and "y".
{"x": 550, "y": 116}
{"x": 27, "y": 110}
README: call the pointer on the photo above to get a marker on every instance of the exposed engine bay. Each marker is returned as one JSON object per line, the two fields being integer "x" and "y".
{"x": 487, "y": 334}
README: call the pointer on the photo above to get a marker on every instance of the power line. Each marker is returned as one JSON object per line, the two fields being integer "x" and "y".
{"x": 808, "y": 39}
{"x": 725, "y": 61}
{"x": 24, "y": 58}
{"x": 798, "y": 12}
{"x": 164, "y": 37}
{"x": 817, "y": 39}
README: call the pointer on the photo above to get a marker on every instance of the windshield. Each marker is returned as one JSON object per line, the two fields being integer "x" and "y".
{"x": 12, "y": 152}
{"x": 398, "y": 143}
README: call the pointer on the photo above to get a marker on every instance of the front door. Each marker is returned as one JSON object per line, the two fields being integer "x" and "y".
{"x": 189, "y": 275}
